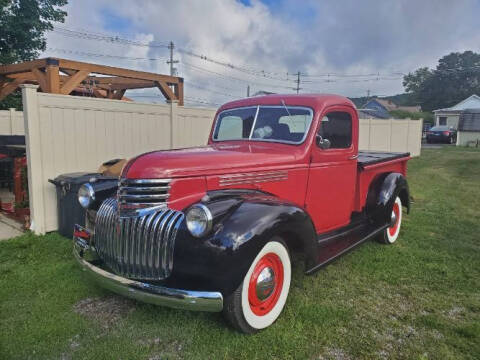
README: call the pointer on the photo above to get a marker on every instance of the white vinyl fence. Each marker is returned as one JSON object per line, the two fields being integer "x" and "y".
{"x": 71, "y": 134}
{"x": 395, "y": 135}
{"x": 11, "y": 122}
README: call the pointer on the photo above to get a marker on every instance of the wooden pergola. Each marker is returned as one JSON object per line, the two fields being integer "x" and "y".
{"x": 61, "y": 76}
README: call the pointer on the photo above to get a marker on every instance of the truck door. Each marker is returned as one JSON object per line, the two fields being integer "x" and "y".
{"x": 333, "y": 169}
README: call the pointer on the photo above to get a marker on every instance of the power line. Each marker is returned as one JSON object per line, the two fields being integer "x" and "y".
{"x": 90, "y": 54}
{"x": 254, "y": 72}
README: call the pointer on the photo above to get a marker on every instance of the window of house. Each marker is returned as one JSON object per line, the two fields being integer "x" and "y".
{"x": 442, "y": 120}
{"x": 337, "y": 128}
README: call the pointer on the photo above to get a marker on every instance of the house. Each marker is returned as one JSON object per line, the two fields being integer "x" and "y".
{"x": 382, "y": 107}
{"x": 450, "y": 116}
{"x": 469, "y": 127}
{"x": 369, "y": 114}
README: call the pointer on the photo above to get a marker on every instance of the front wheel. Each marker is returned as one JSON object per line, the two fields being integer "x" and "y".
{"x": 390, "y": 234}
{"x": 261, "y": 296}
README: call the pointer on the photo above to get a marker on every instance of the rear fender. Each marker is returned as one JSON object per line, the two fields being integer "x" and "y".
{"x": 382, "y": 193}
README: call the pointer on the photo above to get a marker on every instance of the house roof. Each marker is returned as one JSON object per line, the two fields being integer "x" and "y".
{"x": 387, "y": 104}
{"x": 469, "y": 120}
{"x": 371, "y": 114}
{"x": 472, "y": 102}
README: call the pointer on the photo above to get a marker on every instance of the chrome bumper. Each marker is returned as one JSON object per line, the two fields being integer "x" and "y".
{"x": 145, "y": 292}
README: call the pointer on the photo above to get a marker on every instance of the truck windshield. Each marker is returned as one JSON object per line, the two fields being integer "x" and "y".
{"x": 264, "y": 123}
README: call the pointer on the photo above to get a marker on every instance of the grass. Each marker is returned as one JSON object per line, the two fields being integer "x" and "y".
{"x": 417, "y": 299}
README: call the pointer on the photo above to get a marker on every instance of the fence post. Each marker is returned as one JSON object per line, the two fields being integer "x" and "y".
{"x": 34, "y": 157}
{"x": 12, "y": 119}
{"x": 173, "y": 121}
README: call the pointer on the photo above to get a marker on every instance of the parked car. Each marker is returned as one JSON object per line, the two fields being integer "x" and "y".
{"x": 442, "y": 134}
{"x": 213, "y": 228}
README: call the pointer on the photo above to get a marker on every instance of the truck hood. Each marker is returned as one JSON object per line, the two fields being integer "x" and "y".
{"x": 210, "y": 160}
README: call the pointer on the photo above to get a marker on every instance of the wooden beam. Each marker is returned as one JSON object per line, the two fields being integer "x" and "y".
{"x": 110, "y": 70}
{"x": 150, "y": 84}
{"x": 166, "y": 91}
{"x": 22, "y": 67}
{"x": 53, "y": 79}
{"x": 41, "y": 78}
{"x": 112, "y": 80}
{"x": 10, "y": 87}
{"x": 73, "y": 81}
{"x": 179, "y": 92}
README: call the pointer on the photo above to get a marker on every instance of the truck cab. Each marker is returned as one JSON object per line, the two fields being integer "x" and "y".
{"x": 213, "y": 228}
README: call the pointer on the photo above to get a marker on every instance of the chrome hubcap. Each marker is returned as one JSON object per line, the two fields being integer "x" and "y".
{"x": 393, "y": 219}
{"x": 265, "y": 283}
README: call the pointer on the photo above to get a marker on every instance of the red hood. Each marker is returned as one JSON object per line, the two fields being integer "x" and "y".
{"x": 213, "y": 159}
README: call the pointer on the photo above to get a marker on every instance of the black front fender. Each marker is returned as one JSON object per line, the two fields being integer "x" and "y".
{"x": 242, "y": 226}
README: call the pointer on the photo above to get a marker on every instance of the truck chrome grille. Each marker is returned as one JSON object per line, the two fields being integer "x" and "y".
{"x": 138, "y": 247}
{"x": 142, "y": 193}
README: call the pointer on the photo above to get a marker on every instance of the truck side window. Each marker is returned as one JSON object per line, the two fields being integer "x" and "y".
{"x": 231, "y": 127}
{"x": 337, "y": 127}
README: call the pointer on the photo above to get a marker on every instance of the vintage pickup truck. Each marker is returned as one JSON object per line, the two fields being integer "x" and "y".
{"x": 213, "y": 228}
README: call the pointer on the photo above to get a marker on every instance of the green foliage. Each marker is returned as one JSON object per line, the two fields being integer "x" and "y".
{"x": 23, "y": 24}
{"x": 416, "y": 299}
{"x": 14, "y": 100}
{"x": 402, "y": 114}
{"x": 456, "y": 77}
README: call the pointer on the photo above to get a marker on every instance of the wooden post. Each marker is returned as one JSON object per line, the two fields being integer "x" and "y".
{"x": 34, "y": 157}
{"x": 53, "y": 76}
{"x": 179, "y": 92}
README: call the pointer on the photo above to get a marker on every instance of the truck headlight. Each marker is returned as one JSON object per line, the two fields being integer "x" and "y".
{"x": 86, "y": 195}
{"x": 199, "y": 220}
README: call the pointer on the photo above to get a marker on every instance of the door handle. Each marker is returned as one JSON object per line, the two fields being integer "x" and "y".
{"x": 353, "y": 157}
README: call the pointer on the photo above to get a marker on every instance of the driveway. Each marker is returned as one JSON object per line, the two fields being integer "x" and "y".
{"x": 9, "y": 228}
{"x": 435, "y": 146}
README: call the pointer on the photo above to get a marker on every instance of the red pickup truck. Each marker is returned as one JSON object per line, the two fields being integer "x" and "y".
{"x": 213, "y": 228}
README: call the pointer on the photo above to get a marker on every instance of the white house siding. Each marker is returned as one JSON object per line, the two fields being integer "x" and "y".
{"x": 452, "y": 119}
{"x": 464, "y": 137}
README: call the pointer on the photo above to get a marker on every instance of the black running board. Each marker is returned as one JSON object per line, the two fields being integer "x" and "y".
{"x": 331, "y": 247}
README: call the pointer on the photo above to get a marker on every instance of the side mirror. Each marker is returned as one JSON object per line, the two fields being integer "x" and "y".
{"x": 322, "y": 143}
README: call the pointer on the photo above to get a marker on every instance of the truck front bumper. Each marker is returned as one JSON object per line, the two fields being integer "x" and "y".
{"x": 145, "y": 292}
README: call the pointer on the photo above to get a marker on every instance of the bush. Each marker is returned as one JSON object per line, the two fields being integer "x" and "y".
{"x": 402, "y": 114}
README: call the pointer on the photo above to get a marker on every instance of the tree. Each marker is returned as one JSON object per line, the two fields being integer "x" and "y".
{"x": 23, "y": 24}
{"x": 456, "y": 77}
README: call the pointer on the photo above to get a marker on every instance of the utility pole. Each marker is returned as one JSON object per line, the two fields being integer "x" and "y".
{"x": 368, "y": 94}
{"x": 171, "y": 46}
{"x": 298, "y": 82}
{"x": 248, "y": 90}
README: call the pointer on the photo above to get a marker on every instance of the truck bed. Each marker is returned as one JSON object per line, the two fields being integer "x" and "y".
{"x": 366, "y": 158}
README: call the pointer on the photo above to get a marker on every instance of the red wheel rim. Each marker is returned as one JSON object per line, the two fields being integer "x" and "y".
{"x": 262, "y": 307}
{"x": 393, "y": 229}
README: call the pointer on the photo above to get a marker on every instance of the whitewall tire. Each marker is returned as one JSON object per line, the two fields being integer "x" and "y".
{"x": 390, "y": 234}
{"x": 261, "y": 296}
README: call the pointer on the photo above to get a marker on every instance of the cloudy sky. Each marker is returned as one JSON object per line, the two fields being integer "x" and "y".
{"x": 347, "y": 47}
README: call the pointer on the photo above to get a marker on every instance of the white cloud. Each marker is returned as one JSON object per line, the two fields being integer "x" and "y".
{"x": 343, "y": 36}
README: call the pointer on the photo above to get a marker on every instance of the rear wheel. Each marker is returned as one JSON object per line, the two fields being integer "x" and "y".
{"x": 261, "y": 296}
{"x": 390, "y": 234}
